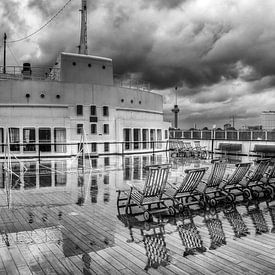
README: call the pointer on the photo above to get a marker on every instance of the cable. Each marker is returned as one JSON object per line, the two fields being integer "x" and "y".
{"x": 13, "y": 55}
{"x": 43, "y": 26}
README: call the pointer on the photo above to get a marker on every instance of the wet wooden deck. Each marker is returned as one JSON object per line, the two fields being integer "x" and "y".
{"x": 48, "y": 233}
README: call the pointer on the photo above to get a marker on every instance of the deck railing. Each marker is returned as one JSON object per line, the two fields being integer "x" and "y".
{"x": 241, "y": 135}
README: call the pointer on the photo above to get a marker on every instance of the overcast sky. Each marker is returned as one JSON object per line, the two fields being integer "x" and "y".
{"x": 219, "y": 53}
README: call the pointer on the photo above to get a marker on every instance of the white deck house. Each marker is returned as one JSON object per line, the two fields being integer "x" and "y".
{"x": 77, "y": 101}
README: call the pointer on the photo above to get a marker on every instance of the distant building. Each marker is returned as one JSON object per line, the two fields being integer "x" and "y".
{"x": 268, "y": 120}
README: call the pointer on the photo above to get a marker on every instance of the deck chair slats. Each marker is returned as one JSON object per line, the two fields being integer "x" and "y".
{"x": 191, "y": 180}
{"x": 216, "y": 175}
{"x": 155, "y": 182}
{"x": 239, "y": 173}
{"x": 259, "y": 171}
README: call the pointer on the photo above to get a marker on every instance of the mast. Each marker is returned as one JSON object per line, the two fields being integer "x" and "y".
{"x": 176, "y": 110}
{"x": 83, "y": 45}
{"x": 5, "y": 44}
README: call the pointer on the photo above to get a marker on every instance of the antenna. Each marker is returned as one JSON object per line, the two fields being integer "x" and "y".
{"x": 5, "y": 44}
{"x": 83, "y": 45}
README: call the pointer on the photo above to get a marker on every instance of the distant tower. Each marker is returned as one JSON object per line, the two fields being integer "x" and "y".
{"x": 83, "y": 45}
{"x": 176, "y": 110}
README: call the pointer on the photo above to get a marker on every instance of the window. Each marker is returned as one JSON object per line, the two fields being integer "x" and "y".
{"x": 44, "y": 139}
{"x": 93, "y": 128}
{"x": 60, "y": 140}
{"x": 106, "y": 161}
{"x": 79, "y": 110}
{"x": 106, "y": 146}
{"x": 159, "y": 138}
{"x": 28, "y": 139}
{"x": 79, "y": 128}
{"x": 14, "y": 138}
{"x": 127, "y": 135}
{"x": 136, "y": 138}
{"x": 106, "y": 129}
{"x": 166, "y": 134}
{"x": 93, "y": 147}
{"x": 105, "y": 111}
{"x": 152, "y": 137}
{"x": 94, "y": 163}
{"x": 145, "y": 138}
{"x": 93, "y": 110}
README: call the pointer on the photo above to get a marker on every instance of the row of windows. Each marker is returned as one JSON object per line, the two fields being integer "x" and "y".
{"x": 106, "y": 128}
{"x": 93, "y": 110}
{"x": 29, "y": 139}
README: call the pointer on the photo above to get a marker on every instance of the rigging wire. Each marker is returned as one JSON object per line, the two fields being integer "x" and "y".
{"x": 12, "y": 53}
{"x": 43, "y": 26}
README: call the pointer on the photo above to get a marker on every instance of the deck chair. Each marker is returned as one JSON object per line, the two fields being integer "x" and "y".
{"x": 265, "y": 189}
{"x": 234, "y": 179}
{"x": 200, "y": 151}
{"x": 215, "y": 229}
{"x": 211, "y": 186}
{"x": 253, "y": 177}
{"x": 190, "y": 236}
{"x": 155, "y": 246}
{"x": 183, "y": 194}
{"x": 257, "y": 217}
{"x": 184, "y": 149}
{"x": 236, "y": 221}
{"x": 150, "y": 195}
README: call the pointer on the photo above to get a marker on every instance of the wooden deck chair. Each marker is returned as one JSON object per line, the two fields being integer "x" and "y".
{"x": 234, "y": 179}
{"x": 236, "y": 221}
{"x": 174, "y": 147}
{"x": 253, "y": 177}
{"x": 190, "y": 236}
{"x": 199, "y": 150}
{"x": 257, "y": 217}
{"x": 187, "y": 189}
{"x": 265, "y": 189}
{"x": 151, "y": 194}
{"x": 212, "y": 184}
{"x": 184, "y": 150}
{"x": 155, "y": 246}
{"x": 215, "y": 229}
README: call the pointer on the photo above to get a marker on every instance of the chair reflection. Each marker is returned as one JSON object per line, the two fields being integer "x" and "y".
{"x": 236, "y": 221}
{"x": 215, "y": 228}
{"x": 257, "y": 217}
{"x": 189, "y": 234}
{"x": 152, "y": 236}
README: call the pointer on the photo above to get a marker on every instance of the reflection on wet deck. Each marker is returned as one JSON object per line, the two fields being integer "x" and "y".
{"x": 63, "y": 219}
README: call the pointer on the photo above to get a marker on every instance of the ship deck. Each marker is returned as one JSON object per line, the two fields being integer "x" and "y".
{"x": 50, "y": 230}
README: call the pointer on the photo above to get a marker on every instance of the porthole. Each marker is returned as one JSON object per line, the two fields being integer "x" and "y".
{"x": 122, "y": 100}
{"x": 57, "y": 96}
{"x": 28, "y": 95}
{"x": 103, "y": 67}
{"x": 42, "y": 95}
{"x": 132, "y": 101}
{"x": 74, "y": 63}
{"x": 89, "y": 65}
{"x": 139, "y": 102}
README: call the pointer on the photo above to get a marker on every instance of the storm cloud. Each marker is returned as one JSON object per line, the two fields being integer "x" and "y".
{"x": 217, "y": 52}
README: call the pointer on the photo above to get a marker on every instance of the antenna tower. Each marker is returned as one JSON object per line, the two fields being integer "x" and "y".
{"x": 83, "y": 45}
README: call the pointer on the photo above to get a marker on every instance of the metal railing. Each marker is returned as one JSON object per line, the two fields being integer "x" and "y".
{"x": 240, "y": 135}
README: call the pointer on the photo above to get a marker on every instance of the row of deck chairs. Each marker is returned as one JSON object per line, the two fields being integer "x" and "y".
{"x": 152, "y": 235}
{"x": 185, "y": 149}
{"x": 196, "y": 189}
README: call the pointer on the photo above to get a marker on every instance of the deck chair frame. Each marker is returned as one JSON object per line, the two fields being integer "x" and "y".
{"x": 150, "y": 195}
{"x": 187, "y": 189}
